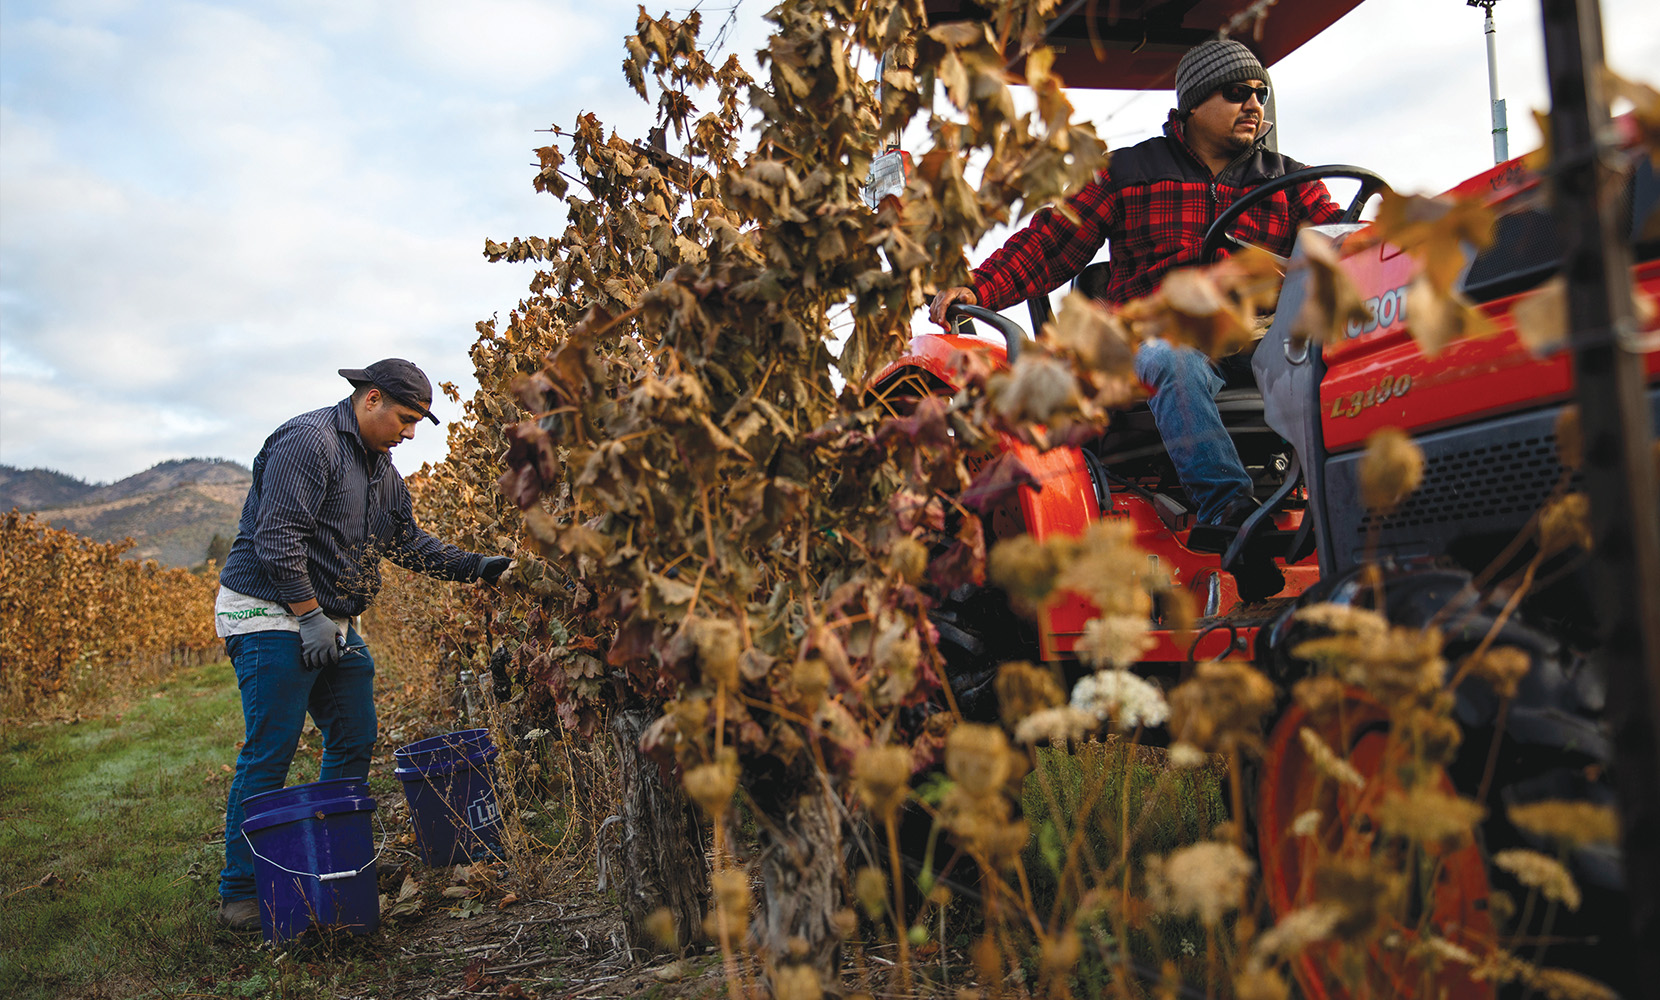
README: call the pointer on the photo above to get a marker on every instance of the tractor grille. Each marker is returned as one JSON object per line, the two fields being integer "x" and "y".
{"x": 1481, "y": 481}
{"x": 1507, "y": 481}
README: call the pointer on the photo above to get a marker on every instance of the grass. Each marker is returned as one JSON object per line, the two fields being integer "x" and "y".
{"x": 1128, "y": 789}
{"x": 121, "y": 817}
{"x": 110, "y": 850}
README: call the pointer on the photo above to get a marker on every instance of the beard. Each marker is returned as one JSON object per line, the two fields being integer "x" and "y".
{"x": 1240, "y": 142}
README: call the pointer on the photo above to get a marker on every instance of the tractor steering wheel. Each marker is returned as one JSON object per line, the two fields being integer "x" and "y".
{"x": 1219, "y": 233}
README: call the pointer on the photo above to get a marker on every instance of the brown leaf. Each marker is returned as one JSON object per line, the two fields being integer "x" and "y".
{"x": 1036, "y": 389}
{"x": 1094, "y": 335}
{"x": 1645, "y": 110}
{"x": 1190, "y": 309}
{"x": 996, "y": 482}
{"x": 1435, "y": 319}
{"x": 1435, "y": 231}
{"x": 1542, "y": 317}
{"x": 1332, "y": 300}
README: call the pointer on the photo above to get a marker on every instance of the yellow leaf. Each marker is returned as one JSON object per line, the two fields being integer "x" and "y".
{"x": 1096, "y": 337}
{"x": 1436, "y": 318}
{"x": 1332, "y": 300}
{"x": 1542, "y": 317}
{"x": 1645, "y": 110}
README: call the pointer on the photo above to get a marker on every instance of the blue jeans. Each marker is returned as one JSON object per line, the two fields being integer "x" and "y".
{"x": 277, "y": 692}
{"x": 1184, "y": 385}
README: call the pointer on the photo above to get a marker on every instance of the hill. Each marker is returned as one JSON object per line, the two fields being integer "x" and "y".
{"x": 35, "y": 489}
{"x": 171, "y": 510}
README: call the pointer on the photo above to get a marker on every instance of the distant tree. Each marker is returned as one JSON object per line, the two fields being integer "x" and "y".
{"x": 218, "y": 548}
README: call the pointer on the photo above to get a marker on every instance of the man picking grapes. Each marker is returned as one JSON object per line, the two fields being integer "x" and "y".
{"x": 325, "y": 506}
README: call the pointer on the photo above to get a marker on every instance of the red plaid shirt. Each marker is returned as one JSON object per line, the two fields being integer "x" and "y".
{"x": 1154, "y": 206}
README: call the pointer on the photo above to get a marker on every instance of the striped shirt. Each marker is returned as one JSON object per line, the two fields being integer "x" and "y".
{"x": 322, "y": 511}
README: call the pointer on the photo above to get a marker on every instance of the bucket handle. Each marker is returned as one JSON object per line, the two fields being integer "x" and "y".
{"x": 327, "y": 876}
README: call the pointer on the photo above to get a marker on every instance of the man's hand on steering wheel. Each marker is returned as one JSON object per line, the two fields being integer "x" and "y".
{"x": 945, "y": 299}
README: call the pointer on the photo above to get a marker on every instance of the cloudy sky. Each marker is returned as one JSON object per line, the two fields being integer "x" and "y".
{"x": 207, "y": 208}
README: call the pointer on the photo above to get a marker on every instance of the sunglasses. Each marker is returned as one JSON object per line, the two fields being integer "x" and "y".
{"x": 1238, "y": 93}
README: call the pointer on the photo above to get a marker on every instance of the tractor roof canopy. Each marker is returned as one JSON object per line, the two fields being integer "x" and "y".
{"x": 1135, "y": 44}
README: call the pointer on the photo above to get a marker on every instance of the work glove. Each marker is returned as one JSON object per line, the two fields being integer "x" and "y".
{"x": 318, "y": 648}
{"x": 491, "y": 569}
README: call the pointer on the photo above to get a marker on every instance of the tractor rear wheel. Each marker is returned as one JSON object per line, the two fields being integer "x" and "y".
{"x": 1306, "y": 820}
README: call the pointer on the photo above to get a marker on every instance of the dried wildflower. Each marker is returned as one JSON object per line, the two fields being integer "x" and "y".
{"x": 1570, "y": 443}
{"x": 796, "y": 982}
{"x": 1023, "y": 689}
{"x": 1296, "y": 931}
{"x": 1429, "y": 816}
{"x": 1399, "y": 664}
{"x": 1105, "y": 565}
{"x": 1025, "y": 568}
{"x": 1503, "y": 668}
{"x": 845, "y": 922}
{"x": 1122, "y": 697}
{"x": 1221, "y": 705}
{"x": 1206, "y": 880}
{"x": 988, "y": 959}
{"x": 1565, "y": 523}
{"x": 1500, "y": 966}
{"x": 811, "y": 678}
{"x": 1446, "y": 951}
{"x": 1360, "y": 893}
{"x": 1183, "y": 756}
{"x": 1260, "y": 984}
{"x": 1542, "y": 872}
{"x": 732, "y": 899}
{"x": 1344, "y": 619}
{"x": 731, "y": 887}
{"x": 1318, "y": 695}
{"x": 908, "y": 560}
{"x": 1434, "y": 734}
{"x": 882, "y": 775}
{"x": 1560, "y": 984}
{"x": 1114, "y": 641}
{"x": 977, "y": 758}
{"x": 985, "y": 825}
{"x": 1390, "y": 470}
{"x": 896, "y": 653}
{"x": 1061, "y": 952}
{"x": 717, "y": 650}
{"x": 1056, "y": 725}
{"x": 1327, "y": 761}
{"x": 660, "y": 925}
{"x": 1567, "y": 822}
{"x": 711, "y": 785}
{"x": 1307, "y": 823}
{"x": 870, "y": 887}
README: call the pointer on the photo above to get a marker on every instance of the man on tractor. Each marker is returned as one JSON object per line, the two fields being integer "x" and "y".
{"x": 1152, "y": 206}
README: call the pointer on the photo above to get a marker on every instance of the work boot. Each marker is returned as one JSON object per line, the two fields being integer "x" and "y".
{"x": 239, "y": 914}
{"x": 1217, "y": 537}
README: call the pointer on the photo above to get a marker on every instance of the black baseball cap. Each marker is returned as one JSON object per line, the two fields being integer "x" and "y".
{"x": 399, "y": 379}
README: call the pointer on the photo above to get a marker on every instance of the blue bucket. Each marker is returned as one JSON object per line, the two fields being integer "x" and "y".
{"x": 314, "y": 858}
{"x": 451, "y": 790}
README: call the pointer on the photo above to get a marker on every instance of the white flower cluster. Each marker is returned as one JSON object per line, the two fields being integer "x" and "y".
{"x": 1122, "y": 697}
{"x": 1056, "y": 725}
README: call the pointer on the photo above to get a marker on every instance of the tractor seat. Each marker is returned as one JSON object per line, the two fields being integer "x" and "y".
{"x": 1132, "y": 433}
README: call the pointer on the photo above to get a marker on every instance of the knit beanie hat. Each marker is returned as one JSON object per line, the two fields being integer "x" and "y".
{"x": 1211, "y": 64}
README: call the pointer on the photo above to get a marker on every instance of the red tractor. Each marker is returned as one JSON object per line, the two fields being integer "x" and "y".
{"x": 1484, "y": 414}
